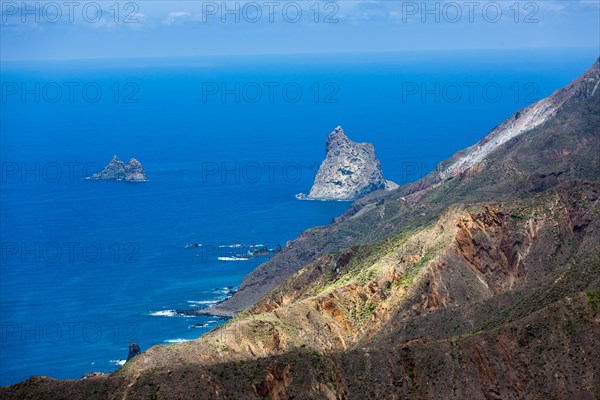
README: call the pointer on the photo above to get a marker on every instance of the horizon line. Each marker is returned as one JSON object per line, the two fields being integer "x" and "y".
{"x": 285, "y": 54}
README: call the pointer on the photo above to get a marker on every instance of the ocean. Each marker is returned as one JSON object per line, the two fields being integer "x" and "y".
{"x": 89, "y": 267}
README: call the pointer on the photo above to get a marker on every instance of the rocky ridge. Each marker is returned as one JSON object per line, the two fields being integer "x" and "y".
{"x": 525, "y": 120}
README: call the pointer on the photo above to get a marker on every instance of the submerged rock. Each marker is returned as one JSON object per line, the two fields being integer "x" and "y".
{"x": 350, "y": 170}
{"x": 119, "y": 171}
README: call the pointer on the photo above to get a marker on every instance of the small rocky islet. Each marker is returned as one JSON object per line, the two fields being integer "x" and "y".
{"x": 350, "y": 171}
{"x": 117, "y": 170}
{"x": 134, "y": 350}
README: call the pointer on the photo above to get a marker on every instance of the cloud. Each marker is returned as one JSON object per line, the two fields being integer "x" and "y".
{"x": 175, "y": 16}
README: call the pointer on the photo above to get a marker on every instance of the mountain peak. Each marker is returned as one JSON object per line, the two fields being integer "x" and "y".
{"x": 335, "y": 138}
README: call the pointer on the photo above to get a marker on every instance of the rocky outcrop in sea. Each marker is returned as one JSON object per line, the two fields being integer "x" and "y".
{"x": 117, "y": 170}
{"x": 350, "y": 170}
{"x": 134, "y": 350}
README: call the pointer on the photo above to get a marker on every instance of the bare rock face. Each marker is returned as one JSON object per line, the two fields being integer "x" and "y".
{"x": 134, "y": 171}
{"x": 134, "y": 350}
{"x": 350, "y": 170}
{"x": 119, "y": 171}
{"x": 526, "y": 119}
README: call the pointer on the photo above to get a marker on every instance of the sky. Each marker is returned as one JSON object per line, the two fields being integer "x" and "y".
{"x": 72, "y": 29}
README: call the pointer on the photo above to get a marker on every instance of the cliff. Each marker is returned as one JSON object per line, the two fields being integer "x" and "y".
{"x": 350, "y": 170}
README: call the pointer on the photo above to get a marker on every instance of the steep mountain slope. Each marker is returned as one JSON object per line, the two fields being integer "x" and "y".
{"x": 484, "y": 284}
{"x": 524, "y": 120}
{"x": 490, "y": 301}
{"x": 563, "y": 144}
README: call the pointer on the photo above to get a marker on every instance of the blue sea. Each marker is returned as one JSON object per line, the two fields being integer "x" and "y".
{"x": 89, "y": 267}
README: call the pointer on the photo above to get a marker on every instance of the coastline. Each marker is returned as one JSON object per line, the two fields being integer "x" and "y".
{"x": 214, "y": 310}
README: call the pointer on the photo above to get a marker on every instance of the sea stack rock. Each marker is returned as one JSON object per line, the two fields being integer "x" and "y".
{"x": 119, "y": 171}
{"x": 134, "y": 172}
{"x": 134, "y": 350}
{"x": 350, "y": 170}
